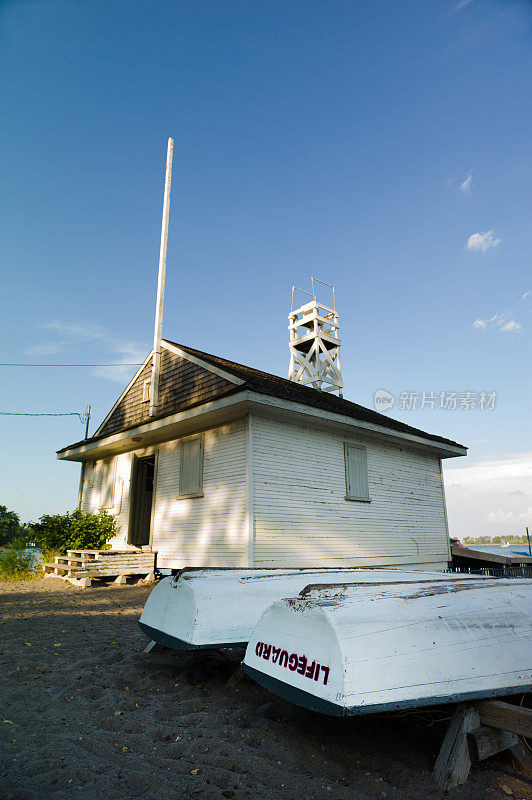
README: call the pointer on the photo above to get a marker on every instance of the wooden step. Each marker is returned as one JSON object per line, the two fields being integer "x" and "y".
{"x": 104, "y": 560}
{"x": 68, "y": 559}
{"x": 77, "y": 572}
{"x": 102, "y": 571}
{"x": 110, "y": 552}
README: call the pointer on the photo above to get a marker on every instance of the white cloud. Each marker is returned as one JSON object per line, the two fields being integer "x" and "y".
{"x": 504, "y": 322}
{"x": 526, "y": 294}
{"x": 511, "y": 517}
{"x": 465, "y": 186}
{"x": 128, "y": 353}
{"x": 123, "y": 354}
{"x": 76, "y": 331}
{"x": 482, "y": 242}
{"x": 512, "y": 327}
{"x": 491, "y": 497}
{"x": 45, "y": 349}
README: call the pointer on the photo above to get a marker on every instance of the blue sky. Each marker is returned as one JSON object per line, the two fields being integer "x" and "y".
{"x": 383, "y": 147}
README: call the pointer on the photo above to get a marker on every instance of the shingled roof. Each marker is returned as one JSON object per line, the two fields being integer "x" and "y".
{"x": 264, "y": 383}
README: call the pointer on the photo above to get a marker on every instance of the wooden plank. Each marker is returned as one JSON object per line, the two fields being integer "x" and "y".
{"x": 486, "y": 742}
{"x": 505, "y": 716}
{"x": 112, "y": 573}
{"x": 60, "y": 559}
{"x": 454, "y": 762}
{"x": 65, "y": 568}
{"x": 521, "y": 757}
{"x": 122, "y": 562}
{"x": 136, "y": 559}
{"x": 496, "y": 558}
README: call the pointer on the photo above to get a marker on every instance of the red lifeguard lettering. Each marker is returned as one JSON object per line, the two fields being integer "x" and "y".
{"x": 310, "y": 670}
{"x": 301, "y": 664}
{"x": 294, "y": 662}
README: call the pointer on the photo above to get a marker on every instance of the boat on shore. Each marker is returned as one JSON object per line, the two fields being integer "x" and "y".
{"x": 215, "y": 608}
{"x": 360, "y": 648}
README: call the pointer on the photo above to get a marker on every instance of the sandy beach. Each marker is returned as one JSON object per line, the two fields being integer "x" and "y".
{"x": 86, "y": 714}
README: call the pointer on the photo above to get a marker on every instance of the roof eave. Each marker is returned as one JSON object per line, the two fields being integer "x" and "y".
{"x": 240, "y": 402}
{"x": 444, "y": 449}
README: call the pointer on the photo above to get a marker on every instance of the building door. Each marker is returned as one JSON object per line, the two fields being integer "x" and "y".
{"x": 142, "y": 480}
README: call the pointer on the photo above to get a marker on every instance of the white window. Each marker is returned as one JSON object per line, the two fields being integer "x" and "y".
{"x": 146, "y": 391}
{"x": 356, "y": 473}
{"x": 191, "y": 467}
{"x": 107, "y": 486}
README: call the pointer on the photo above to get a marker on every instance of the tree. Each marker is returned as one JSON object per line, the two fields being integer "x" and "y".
{"x": 10, "y": 526}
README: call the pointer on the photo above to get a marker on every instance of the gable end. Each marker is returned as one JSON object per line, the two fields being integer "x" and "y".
{"x": 182, "y": 384}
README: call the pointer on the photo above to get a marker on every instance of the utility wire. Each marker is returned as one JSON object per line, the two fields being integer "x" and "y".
{"x": 119, "y": 364}
{"x": 43, "y": 414}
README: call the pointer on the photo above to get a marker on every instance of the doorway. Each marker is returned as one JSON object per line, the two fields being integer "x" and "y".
{"x": 142, "y": 483}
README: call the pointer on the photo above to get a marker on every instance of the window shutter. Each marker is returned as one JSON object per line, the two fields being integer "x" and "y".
{"x": 107, "y": 491}
{"x": 191, "y": 468}
{"x": 356, "y": 472}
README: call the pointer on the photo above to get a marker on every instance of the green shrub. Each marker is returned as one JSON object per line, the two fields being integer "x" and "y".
{"x": 76, "y": 531}
{"x": 17, "y": 561}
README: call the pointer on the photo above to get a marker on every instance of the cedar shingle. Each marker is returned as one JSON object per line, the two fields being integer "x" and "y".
{"x": 184, "y": 384}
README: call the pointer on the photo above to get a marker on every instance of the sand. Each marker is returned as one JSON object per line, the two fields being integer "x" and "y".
{"x": 86, "y": 714}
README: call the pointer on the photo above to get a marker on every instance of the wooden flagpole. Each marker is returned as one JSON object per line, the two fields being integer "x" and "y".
{"x": 157, "y": 334}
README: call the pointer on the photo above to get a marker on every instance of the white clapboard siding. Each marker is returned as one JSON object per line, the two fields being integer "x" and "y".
{"x": 301, "y": 516}
{"x": 92, "y": 493}
{"x": 87, "y": 488}
{"x": 211, "y": 530}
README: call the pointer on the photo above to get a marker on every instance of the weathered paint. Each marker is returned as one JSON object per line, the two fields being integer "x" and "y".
{"x": 91, "y": 493}
{"x": 417, "y": 642}
{"x": 211, "y": 530}
{"x": 301, "y": 515}
{"x": 274, "y": 494}
{"x": 211, "y": 608}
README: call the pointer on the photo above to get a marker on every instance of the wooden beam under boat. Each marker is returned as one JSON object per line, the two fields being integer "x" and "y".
{"x": 213, "y": 608}
{"x": 358, "y": 649}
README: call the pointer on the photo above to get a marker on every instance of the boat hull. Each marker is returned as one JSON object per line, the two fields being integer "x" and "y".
{"x": 212, "y": 608}
{"x": 358, "y": 650}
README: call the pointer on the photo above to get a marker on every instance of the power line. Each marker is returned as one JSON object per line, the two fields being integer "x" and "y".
{"x": 119, "y": 364}
{"x": 42, "y": 414}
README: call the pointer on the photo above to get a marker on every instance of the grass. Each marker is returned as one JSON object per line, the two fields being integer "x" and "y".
{"x": 19, "y": 562}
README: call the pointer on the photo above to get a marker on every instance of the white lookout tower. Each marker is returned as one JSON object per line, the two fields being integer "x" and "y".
{"x": 314, "y": 343}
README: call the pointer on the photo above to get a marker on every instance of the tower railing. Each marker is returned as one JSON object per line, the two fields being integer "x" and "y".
{"x": 314, "y": 343}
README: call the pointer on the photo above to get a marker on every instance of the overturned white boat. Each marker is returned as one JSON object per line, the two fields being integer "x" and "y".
{"x": 358, "y": 648}
{"x": 211, "y": 608}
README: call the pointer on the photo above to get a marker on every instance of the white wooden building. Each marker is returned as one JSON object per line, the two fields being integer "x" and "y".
{"x": 242, "y": 468}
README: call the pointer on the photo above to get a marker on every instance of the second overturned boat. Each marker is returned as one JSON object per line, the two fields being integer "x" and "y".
{"x": 358, "y": 648}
